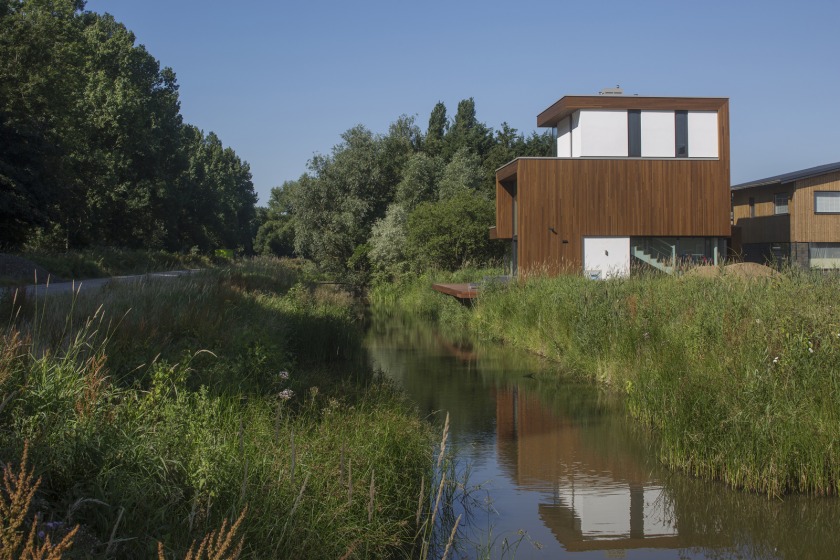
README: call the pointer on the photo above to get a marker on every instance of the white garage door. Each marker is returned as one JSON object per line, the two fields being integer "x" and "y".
{"x": 606, "y": 257}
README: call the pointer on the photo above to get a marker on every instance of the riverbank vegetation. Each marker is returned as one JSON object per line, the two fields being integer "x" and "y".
{"x": 156, "y": 411}
{"x": 738, "y": 376}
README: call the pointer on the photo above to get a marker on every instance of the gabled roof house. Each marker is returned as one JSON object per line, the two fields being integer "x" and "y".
{"x": 636, "y": 181}
{"x": 791, "y": 218}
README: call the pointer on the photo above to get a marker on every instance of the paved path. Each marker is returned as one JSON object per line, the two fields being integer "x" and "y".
{"x": 95, "y": 283}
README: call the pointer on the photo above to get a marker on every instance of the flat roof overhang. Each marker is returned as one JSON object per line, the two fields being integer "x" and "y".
{"x": 507, "y": 172}
{"x": 571, "y": 103}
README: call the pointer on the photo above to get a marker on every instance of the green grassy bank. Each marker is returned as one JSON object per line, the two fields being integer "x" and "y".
{"x": 740, "y": 377}
{"x": 154, "y": 412}
{"x": 109, "y": 261}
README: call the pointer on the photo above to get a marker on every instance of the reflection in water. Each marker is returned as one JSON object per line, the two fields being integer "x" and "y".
{"x": 563, "y": 462}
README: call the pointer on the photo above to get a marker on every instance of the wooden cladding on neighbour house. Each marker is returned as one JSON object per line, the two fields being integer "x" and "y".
{"x": 758, "y": 221}
{"x": 807, "y": 226}
{"x": 801, "y": 225}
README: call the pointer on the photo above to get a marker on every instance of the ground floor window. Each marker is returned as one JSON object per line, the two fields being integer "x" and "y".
{"x": 670, "y": 254}
{"x": 824, "y": 255}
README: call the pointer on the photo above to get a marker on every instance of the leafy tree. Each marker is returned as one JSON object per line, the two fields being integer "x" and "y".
{"x": 39, "y": 85}
{"x": 276, "y": 234}
{"x": 93, "y": 147}
{"x": 452, "y": 232}
{"x": 433, "y": 143}
{"x": 463, "y": 174}
{"x": 345, "y": 194}
{"x": 419, "y": 181}
{"x": 387, "y": 243}
{"x": 467, "y": 132}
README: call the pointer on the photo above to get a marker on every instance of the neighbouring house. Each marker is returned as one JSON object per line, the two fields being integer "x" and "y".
{"x": 792, "y": 218}
{"x": 637, "y": 182}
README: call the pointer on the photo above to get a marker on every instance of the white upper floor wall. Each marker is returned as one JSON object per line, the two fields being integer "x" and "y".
{"x": 609, "y": 133}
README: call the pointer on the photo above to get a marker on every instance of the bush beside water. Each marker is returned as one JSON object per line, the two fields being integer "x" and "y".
{"x": 738, "y": 376}
{"x": 155, "y": 411}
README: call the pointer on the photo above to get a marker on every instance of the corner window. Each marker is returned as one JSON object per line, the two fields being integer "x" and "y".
{"x": 827, "y": 202}
{"x": 781, "y": 203}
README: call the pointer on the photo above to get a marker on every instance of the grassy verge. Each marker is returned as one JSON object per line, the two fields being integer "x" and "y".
{"x": 738, "y": 376}
{"x": 154, "y": 413}
{"x": 109, "y": 261}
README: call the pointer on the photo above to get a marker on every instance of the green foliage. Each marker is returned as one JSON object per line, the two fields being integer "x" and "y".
{"x": 99, "y": 262}
{"x": 94, "y": 149}
{"x": 276, "y": 233}
{"x": 352, "y": 211}
{"x": 387, "y": 243}
{"x": 452, "y": 232}
{"x": 158, "y": 410}
{"x": 419, "y": 181}
{"x": 347, "y": 192}
{"x": 463, "y": 175}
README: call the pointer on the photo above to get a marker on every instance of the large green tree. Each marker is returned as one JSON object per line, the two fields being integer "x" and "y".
{"x": 451, "y": 233}
{"x": 92, "y": 144}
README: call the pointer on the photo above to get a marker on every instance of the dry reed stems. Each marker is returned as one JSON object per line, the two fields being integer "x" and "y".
{"x": 15, "y": 502}
{"x": 220, "y": 544}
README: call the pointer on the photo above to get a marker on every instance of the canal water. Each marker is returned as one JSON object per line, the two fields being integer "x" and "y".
{"x": 559, "y": 470}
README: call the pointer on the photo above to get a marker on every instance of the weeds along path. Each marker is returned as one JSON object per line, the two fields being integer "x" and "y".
{"x": 157, "y": 410}
{"x": 68, "y": 287}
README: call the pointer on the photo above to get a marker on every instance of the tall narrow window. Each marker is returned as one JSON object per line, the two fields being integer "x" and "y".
{"x": 752, "y": 207}
{"x": 634, "y": 133}
{"x": 781, "y": 203}
{"x": 681, "y": 133}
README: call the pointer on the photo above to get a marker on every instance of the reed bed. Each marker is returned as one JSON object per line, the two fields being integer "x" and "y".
{"x": 738, "y": 376}
{"x": 156, "y": 413}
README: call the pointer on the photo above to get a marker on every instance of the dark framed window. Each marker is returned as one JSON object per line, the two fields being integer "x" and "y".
{"x": 681, "y": 133}
{"x": 634, "y": 133}
{"x": 781, "y": 203}
{"x": 752, "y": 207}
{"x": 827, "y": 202}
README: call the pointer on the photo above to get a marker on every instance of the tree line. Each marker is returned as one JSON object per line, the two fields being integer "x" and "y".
{"x": 94, "y": 151}
{"x": 381, "y": 205}
{"x": 93, "y": 148}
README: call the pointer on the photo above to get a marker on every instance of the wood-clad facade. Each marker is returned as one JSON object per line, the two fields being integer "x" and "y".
{"x": 548, "y": 206}
{"x": 773, "y": 231}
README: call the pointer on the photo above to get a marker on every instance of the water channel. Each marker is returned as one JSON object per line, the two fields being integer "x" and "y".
{"x": 559, "y": 470}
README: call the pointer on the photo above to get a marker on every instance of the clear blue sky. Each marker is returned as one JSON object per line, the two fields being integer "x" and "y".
{"x": 280, "y": 81}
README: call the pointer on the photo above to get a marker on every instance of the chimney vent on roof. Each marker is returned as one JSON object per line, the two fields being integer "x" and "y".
{"x": 612, "y": 91}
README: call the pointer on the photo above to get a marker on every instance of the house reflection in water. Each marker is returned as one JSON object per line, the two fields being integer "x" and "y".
{"x": 603, "y": 499}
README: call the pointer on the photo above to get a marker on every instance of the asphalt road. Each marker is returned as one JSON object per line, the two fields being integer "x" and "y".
{"x": 41, "y": 290}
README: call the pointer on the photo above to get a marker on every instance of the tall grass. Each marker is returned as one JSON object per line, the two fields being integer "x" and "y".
{"x": 738, "y": 376}
{"x": 157, "y": 411}
{"x": 111, "y": 261}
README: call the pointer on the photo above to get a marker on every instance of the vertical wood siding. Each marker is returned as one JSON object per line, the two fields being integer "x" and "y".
{"x": 807, "y": 226}
{"x": 615, "y": 197}
{"x": 765, "y": 226}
